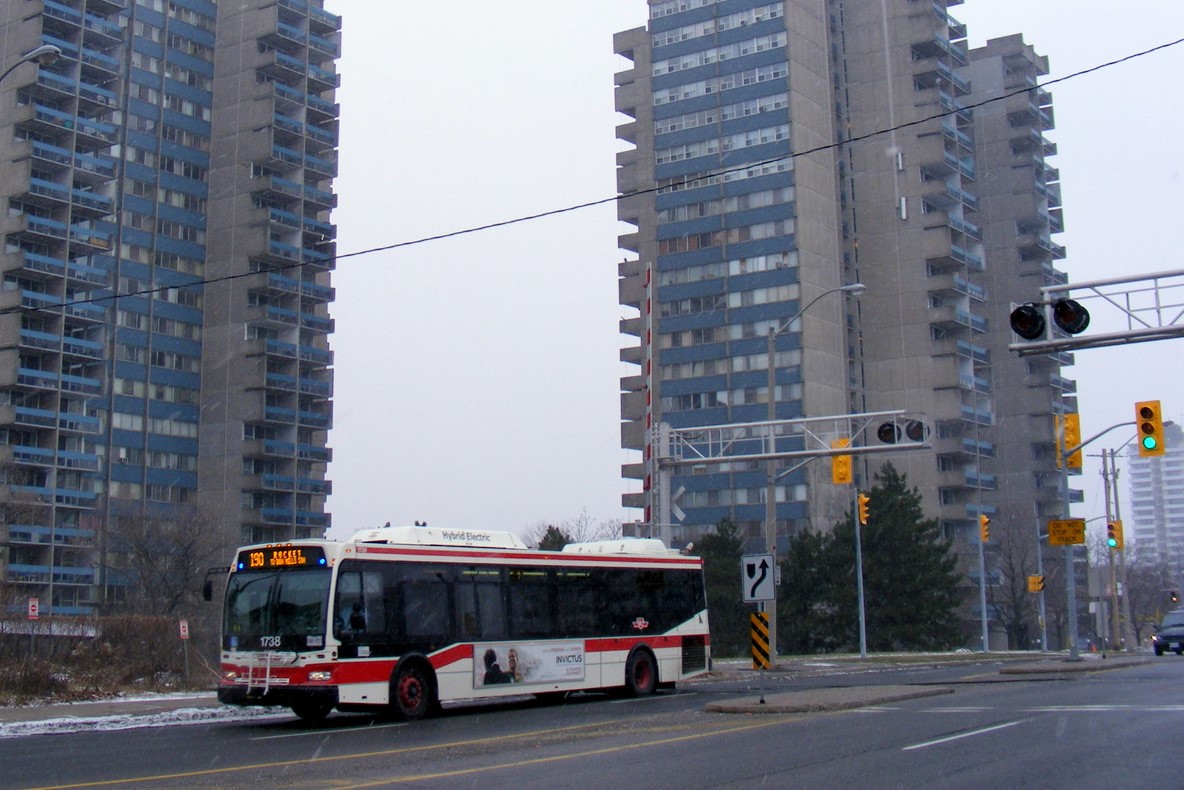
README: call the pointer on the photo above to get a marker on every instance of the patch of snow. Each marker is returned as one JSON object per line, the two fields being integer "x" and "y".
{"x": 128, "y": 721}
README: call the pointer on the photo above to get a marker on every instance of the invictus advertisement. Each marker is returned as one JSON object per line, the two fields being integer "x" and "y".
{"x": 539, "y": 662}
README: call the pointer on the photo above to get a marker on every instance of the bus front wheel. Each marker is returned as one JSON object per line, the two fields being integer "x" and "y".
{"x": 412, "y": 692}
{"x": 641, "y": 673}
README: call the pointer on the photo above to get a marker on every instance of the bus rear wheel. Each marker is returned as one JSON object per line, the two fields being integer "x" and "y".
{"x": 641, "y": 673}
{"x": 412, "y": 692}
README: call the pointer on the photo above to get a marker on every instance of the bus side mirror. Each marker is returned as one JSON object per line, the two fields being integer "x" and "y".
{"x": 207, "y": 585}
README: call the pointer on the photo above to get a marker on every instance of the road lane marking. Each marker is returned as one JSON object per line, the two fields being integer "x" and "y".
{"x": 560, "y": 757}
{"x": 306, "y": 733}
{"x": 960, "y": 736}
{"x": 542, "y": 733}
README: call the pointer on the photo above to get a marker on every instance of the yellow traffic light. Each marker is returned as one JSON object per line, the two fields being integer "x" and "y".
{"x": 984, "y": 527}
{"x": 1149, "y": 428}
{"x": 1072, "y": 426}
{"x": 1114, "y": 535}
{"x": 840, "y": 465}
{"x": 864, "y": 499}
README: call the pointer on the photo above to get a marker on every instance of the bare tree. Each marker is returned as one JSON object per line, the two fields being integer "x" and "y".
{"x": 1148, "y": 583}
{"x": 1015, "y": 560}
{"x": 161, "y": 560}
{"x": 577, "y": 530}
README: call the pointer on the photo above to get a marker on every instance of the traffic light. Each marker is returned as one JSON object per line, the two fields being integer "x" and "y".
{"x": 1027, "y": 321}
{"x": 1070, "y": 316}
{"x": 863, "y": 501}
{"x": 984, "y": 527}
{"x": 1149, "y": 425}
{"x": 1175, "y": 596}
{"x": 1036, "y": 583}
{"x": 890, "y": 433}
{"x": 840, "y": 465}
{"x": 1071, "y": 437}
{"x": 1114, "y": 535}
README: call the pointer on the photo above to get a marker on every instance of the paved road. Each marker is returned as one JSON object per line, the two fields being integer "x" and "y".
{"x": 973, "y": 727}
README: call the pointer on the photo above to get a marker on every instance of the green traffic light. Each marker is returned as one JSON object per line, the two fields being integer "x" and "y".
{"x": 1111, "y": 542}
{"x": 1149, "y": 443}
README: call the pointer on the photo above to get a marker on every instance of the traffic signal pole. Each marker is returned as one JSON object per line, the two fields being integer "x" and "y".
{"x": 1070, "y": 578}
{"x": 857, "y": 513}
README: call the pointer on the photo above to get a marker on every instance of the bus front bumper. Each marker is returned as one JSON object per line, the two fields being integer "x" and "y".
{"x": 282, "y": 696}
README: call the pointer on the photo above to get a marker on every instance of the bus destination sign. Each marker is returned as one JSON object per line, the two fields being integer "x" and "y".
{"x": 273, "y": 557}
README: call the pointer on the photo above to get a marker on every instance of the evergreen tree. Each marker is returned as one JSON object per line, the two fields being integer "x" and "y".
{"x": 554, "y": 539}
{"x": 803, "y": 608}
{"x": 910, "y": 577}
{"x": 727, "y": 613}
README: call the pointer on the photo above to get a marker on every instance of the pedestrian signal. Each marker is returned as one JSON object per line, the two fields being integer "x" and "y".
{"x": 1035, "y": 583}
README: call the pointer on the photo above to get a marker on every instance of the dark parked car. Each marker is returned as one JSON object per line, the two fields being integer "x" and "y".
{"x": 1169, "y": 635}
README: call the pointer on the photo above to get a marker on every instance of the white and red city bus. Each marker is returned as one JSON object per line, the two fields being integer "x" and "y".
{"x": 402, "y": 619}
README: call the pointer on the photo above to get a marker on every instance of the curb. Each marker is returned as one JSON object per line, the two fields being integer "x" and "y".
{"x": 818, "y": 700}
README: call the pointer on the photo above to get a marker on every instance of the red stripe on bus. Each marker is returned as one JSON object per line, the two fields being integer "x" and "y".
{"x": 563, "y": 560}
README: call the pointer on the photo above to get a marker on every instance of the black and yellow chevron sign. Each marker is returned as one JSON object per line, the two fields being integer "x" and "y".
{"x": 760, "y": 640}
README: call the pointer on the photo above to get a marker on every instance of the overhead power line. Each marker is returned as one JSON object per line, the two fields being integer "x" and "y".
{"x": 622, "y": 195}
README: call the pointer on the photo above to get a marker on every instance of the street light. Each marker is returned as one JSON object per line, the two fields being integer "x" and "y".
{"x": 43, "y": 55}
{"x": 851, "y": 289}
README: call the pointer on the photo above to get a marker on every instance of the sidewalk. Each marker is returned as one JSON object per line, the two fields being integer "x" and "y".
{"x": 849, "y": 697}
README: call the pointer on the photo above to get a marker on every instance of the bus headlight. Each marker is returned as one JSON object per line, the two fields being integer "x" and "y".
{"x": 321, "y": 676}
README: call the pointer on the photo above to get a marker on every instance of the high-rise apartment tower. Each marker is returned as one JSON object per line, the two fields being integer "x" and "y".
{"x": 164, "y": 322}
{"x": 783, "y": 149}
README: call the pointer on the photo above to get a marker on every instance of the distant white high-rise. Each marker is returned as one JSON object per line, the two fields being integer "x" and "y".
{"x": 1154, "y": 518}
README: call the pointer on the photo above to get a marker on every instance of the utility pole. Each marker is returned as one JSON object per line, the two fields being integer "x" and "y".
{"x": 1114, "y": 623}
{"x": 1128, "y": 631}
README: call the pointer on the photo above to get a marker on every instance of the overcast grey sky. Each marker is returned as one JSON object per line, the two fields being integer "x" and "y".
{"x": 477, "y": 376}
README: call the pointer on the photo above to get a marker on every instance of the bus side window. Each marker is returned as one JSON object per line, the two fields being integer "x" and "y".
{"x": 576, "y": 604}
{"x": 349, "y": 589}
{"x": 358, "y": 611}
{"x": 532, "y": 603}
{"x": 480, "y": 603}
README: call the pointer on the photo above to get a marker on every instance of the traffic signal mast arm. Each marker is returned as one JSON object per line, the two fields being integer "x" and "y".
{"x": 1068, "y": 451}
{"x": 1147, "y": 303}
{"x": 806, "y": 438}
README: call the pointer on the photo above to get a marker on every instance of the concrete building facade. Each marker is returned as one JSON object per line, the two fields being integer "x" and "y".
{"x": 164, "y": 326}
{"x": 781, "y": 149}
{"x": 1153, "y": 518}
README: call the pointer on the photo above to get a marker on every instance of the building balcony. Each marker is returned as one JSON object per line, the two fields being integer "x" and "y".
{"x": 949, "y": 283}
{"x": 286, "y": 38}
{"x": 20, "y": 573}
{"x": 938, "y": 46}
{"x": 320, "y": 21}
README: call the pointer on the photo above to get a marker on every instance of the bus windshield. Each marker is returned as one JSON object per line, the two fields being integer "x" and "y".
{"x": 284, "y": 610}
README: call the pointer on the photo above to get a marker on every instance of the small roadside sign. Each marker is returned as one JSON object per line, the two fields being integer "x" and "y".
{"x": 1066, "y": 532}
{"x": 34, "y": 609}
{"x": 184, "y": 629}
{"x": 758, "y": 573}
